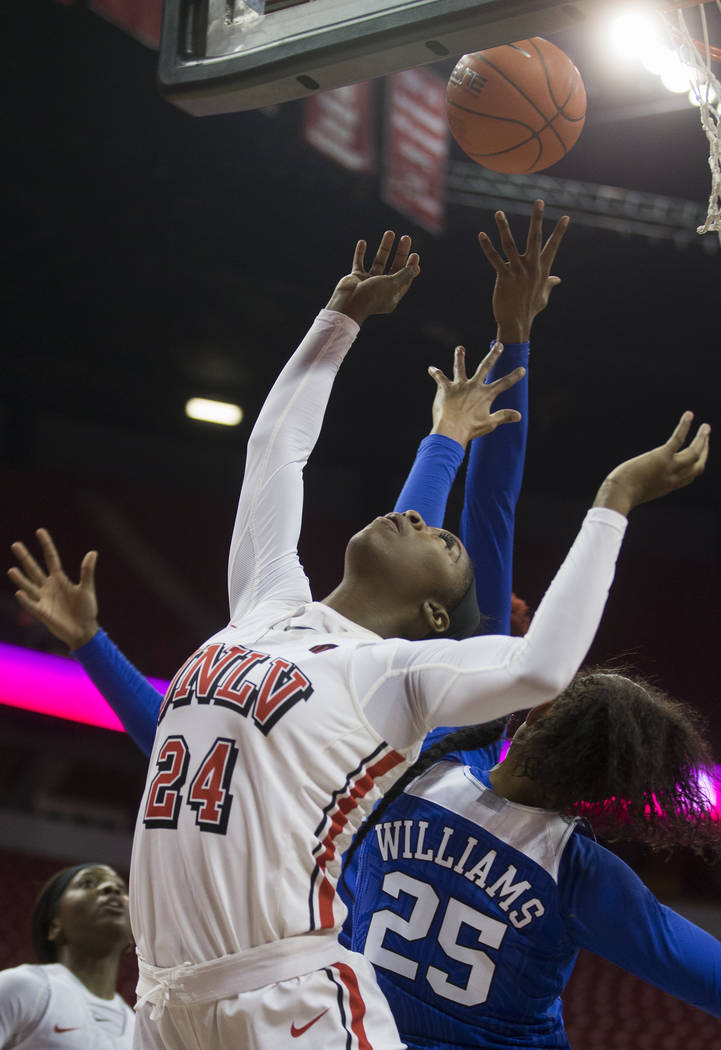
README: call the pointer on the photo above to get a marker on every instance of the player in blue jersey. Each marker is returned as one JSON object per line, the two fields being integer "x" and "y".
{"x": 496, "y": 461}
{"x": 430, "y": 1010}
{"x": 476, "y": 887}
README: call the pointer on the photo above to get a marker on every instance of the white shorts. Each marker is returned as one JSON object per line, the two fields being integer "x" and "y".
{"x": 339, "y": 1007}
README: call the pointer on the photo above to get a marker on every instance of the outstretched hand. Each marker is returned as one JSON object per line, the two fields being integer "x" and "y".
{"x": 523, "y": 279}
{"x": 462, "y": 406}
{"x": 69, "y": 610}
{"x": 364, "y": 292}
{"x": 658, "y": 472}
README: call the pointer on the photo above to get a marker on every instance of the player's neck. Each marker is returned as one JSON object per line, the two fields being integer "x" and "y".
{"x": 509, "y": 784}
{"x": 99, "y": 974}
{"x": 366, "y": 607}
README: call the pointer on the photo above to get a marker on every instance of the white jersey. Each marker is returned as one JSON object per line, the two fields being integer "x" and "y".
{"x": 48, "y": 1008}
{"x": 276, "y": 737}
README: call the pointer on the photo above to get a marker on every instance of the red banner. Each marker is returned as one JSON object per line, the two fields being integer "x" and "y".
{"x": 416, "y": 147}
{"x": 141, "y": 18}
{"x": 339, "y": 124}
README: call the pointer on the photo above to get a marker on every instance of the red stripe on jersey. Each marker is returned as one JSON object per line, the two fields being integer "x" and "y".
{"x": 357, "y": 1006}
{"x": 338, "y": 820}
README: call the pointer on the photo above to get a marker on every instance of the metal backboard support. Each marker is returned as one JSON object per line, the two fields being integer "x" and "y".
{"x": 222, "y": 56}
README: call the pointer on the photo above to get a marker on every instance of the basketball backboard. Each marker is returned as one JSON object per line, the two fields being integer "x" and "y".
{"x": 221, "y": 56}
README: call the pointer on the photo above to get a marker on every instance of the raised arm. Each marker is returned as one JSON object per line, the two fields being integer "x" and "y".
{"x": 522, "y": 289}
{"x": 263, "y": 564}
{"x": 408, "y": 687}
{"x": 70, "y": 612}
{"x": 462, "y": 411}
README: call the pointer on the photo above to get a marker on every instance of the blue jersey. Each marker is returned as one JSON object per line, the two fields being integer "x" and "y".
{"x": 473, "y": 908}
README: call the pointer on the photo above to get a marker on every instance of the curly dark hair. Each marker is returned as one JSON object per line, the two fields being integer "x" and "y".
{"x": 614, "y": 749}
{"x": 618, "y": 750}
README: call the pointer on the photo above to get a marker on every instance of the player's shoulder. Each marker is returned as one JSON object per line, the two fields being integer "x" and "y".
{"x": 27, "y": 977}
{"x": 24, "y": 996}
{"x": 585, "y": 858}
{"x": 589, "y": 873}
{"x": 539, "y": 835}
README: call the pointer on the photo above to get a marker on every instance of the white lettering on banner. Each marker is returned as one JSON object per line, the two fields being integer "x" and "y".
{"x": 338, "y": 124}
{"x": 416, "y": 147}
{"x": 426, "y": 118}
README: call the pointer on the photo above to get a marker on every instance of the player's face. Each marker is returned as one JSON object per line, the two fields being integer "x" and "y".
{"x": 413, "y": 560}
{"x": 93, "y": 909}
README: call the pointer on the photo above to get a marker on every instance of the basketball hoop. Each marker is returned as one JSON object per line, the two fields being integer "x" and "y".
{"x": 698, "y": 55}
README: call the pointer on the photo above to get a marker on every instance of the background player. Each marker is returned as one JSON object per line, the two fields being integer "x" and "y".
{"x": 476, "y": 887}
{"x": 398, "y": 586}
{"x": 80, "y": 929}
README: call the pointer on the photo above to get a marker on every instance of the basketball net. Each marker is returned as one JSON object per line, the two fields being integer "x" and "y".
{"x": 698, "y": 55}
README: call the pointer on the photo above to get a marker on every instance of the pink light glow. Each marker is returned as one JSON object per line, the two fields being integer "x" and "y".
{"x": 709, "y": 780}
{"x": 55, "y": 685}
{"x": 58, "y": 686}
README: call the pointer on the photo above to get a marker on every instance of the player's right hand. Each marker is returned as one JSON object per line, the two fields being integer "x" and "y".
{"x": 69, "y": 610}
{"x": 523, "y": 279}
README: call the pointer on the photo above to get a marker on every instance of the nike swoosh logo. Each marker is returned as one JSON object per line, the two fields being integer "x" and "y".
{"x": 59, "y": 1029}
{"x": 295, "y": 1032}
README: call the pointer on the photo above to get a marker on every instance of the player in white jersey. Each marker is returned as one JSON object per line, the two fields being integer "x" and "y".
{"x": 80, "y": 929}
{"x": 282, "y": 730}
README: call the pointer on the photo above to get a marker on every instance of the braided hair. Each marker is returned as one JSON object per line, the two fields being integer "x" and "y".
{"x": 613, "y": 749}
{"x": 469, "y": 738}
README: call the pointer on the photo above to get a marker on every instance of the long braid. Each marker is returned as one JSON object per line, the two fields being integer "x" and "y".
{"x": 469, "y": 738}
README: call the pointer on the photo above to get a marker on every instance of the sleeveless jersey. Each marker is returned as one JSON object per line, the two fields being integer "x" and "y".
{"x": 48, "y": 1008}
{"x": 457, "y": 906}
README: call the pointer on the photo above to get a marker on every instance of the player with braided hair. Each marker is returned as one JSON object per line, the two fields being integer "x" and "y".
{"x": 476, "y": 887}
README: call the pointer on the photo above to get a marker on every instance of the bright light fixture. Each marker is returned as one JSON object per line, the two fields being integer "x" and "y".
{"x": 632, "y": 32}
{"x": 676, "y": 76}
{"x": 638, "y": 33}
{"x": 656, "y": 57}
{"x": 221, "y": 412}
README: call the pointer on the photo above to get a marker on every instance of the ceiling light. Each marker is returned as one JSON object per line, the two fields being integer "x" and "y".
{"x": 632, "y": 32}
{"x": 677, "y": 77}
{"x": 220, "y": 412}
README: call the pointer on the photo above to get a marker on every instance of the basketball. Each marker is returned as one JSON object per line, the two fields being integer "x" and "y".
{"x": 518, "y": 107}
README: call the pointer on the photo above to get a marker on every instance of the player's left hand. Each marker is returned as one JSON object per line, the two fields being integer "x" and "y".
{"x": 462, "y": 406}
{"x": 523, "y": 279}
{"x": 364, "y": 292}
{"x": 657, "y": 473}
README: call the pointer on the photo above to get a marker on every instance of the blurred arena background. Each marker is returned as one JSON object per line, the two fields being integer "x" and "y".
{"x": 152, "y": 257}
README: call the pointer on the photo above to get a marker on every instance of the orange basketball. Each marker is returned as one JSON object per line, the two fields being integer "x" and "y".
{"x": 518, "y": 107}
